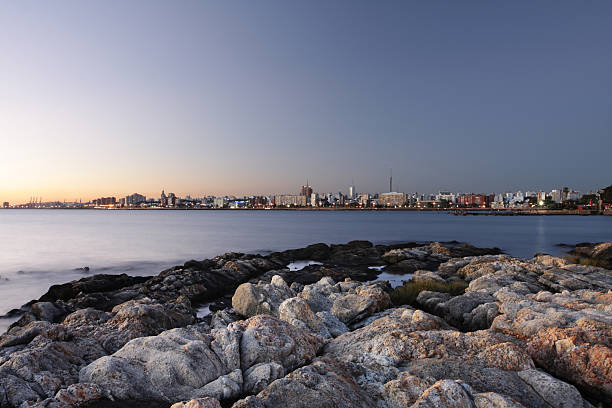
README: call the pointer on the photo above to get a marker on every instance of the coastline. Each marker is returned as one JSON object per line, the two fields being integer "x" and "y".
{"x": 454, "y": 211}
{"x": 251, "y": 330}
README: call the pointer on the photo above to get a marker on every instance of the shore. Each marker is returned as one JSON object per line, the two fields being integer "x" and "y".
{"x": 455, "y": 211}
{"x": 317, "y": 326}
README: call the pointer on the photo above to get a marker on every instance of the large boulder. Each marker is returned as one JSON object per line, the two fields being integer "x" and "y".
{"x": 250, "y": 300}
{"x": 191, "y": 362}
{"x": 325, "y": 383}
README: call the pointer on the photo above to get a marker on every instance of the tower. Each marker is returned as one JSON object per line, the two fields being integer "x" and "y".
{"x": 391, "y": 180}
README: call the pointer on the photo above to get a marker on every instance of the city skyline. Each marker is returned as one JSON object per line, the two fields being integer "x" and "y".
{"x": 242, "y": 98}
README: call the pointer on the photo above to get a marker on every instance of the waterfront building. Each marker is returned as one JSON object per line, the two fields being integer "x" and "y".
{"x": 556, "y": 196}
{"x": 105, "y": 201}
{"x": 446, "y": 196}
{"x": 134, "y": 199}
{"x": 364, "y": 200}
{"x": 352, "y": 192}
{"x": 474, "y": 200}
{"x": 171, "y": 200}
{"x": 314, "y": 200}
{"x": 306, "y": 191}
{"x": 392, "y": 199}
{"x": 541, "y": 197}
{"x": 219, "y": 202}
{"x": 163, "y": 202}
{"x": 5, "y": 204}
{"x": 290, "y": 200}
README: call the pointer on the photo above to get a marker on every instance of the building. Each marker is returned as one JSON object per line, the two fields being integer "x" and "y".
{"x": 364, "y": 200}
{"x": 352, "y": 192}
{"x": 5, "y": 204}
{"x": 557, "y": 196}
{"x": 171, "y": 200}
{"x": 314, "y": 200}
{"x": 474, "y": 200}
{"x": 446, "y": 196}
{"x": 163, "y": 201}
{"x": 220, "y": 202}
{"x": 134, "y": 200}
{"x": 306, "y": 191}
{"x": 105, "y": 201}
{"x": 290, "y": 200}
{"x": 541, "y": 197}
{"x": 392, "y": 199}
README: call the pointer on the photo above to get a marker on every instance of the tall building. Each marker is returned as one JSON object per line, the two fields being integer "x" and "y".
{"x": 163, "y": 200}
{"x": 541, "y": 197}
{"x": 306, "y": 191}
{"x": 5, "y": 204}
{"x": 556, "y": 196}
{"x": 314, "y": 200}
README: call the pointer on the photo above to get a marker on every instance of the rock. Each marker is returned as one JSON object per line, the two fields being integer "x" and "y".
{"x": 249, "y": 402}
{"x": 334, "y": 326}
{"x": 90, "y": 284}
{"x": 257, "y": 377}
{"x": 176, "y": 365}
{"x": 578, "y": 355}
{"x": 472, "y": 311}
{"x": 405, "y": 390}
{"x": 325, "y": 383}
{"x": 493, "y": 400}
{"x": 446, "y": 394}
{"x": 355, "y": 303}
{"x": 268, "y": 339}
{"x": 556, "y": 393}
{"x": 80, "y": 394}
{"x": 206, "y": 402}
{"x": 427, "y": 275}
{"x": 297, "y": 312}
{"x": 250, "y": 300}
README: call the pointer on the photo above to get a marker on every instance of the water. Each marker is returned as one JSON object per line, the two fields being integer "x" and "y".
{"x": 42, "y": 247}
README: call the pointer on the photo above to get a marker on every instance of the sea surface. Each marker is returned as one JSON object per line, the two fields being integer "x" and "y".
{"x": 39, "y": 248}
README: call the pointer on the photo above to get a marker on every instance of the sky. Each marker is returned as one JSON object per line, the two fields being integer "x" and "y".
{"x": 102, "y": 98}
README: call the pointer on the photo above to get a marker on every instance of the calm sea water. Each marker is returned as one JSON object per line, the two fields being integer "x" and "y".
{"x": 42, "y": 247}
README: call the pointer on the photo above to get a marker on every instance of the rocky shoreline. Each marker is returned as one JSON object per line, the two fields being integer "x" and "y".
{"x": 520, "y": 332}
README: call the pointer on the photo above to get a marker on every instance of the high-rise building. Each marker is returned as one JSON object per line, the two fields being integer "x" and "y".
{"x": 541, "y": 197}
{"x": 314, "y": 200}
{"x": 556, "y": 196}
{"x": 163, "y": 200}
{"x": 306, "y": 191}
{"x": 5, "y": 204}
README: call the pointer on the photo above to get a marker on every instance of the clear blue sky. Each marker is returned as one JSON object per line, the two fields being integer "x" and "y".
{"x": 112, "y": 97}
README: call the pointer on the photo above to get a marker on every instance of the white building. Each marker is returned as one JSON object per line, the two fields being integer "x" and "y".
{"x": 556, "y": 196}
{"x": 219, "y": 202}
{"x": 446, "y": 196}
